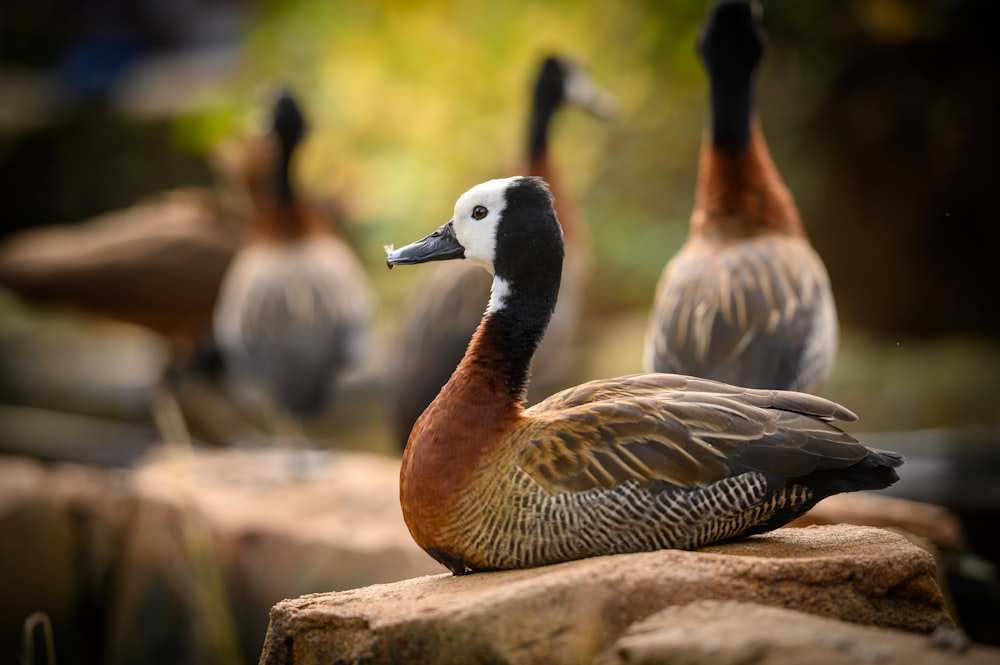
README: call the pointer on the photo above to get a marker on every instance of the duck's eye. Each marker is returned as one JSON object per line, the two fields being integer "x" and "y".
{"x": 479, "y": 212}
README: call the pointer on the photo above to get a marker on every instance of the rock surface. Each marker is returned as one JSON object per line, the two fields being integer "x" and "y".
{"x": 181, "y": 559}
{"x": 63, "y": 530}
{"x": 569, "y": 613}
{"x": 254, "y": 527}
{"x": 937, "y": 524}
{"x": 711, "y": 632}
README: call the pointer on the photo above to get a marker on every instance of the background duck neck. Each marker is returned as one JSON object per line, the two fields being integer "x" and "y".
{"x": 741, "y": 191}
{"x": 538, "y": 135}
{"x": 732, "y": 109}
{"x": 281, "y": 177}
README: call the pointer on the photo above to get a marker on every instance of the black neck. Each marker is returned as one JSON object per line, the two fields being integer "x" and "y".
{"x": 731, "y": 46}
{"x": 518, "y": 327}
{"x": 538, "y": 137}
{"x": 282, "y": 177}
{"x": 548, "y": 96}
{"x": 732, "y": 111}
{"x": 288, "y": 128}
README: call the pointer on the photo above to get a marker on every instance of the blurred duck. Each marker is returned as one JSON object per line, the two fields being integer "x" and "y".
{"x": 294, "y": 305}
{"x": 746, "y": 300}
{"x": 157, "y": 264}
{"x": 628, "y": 464}
{"x": 443, "y": 314}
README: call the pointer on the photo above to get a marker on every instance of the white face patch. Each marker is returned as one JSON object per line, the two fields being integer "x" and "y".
{"x": 498, "y": 294}
{"x": 478, "y": 236}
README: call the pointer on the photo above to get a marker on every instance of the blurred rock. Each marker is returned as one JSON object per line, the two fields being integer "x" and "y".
{"x": 63, "y": 530}
{"x": 51, "y": 435}
{"x": 713, "y": 632}
{"x": 181, "y": 559}
{"x": 937, "y": 524}
{"x": 568, "y": 613}
{"x": 241, "y": 530}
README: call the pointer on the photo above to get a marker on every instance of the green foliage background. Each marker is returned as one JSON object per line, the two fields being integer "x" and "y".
{"x": 412, "y": 103}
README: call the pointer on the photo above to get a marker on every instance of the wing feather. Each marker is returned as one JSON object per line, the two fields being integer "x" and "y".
{"x": 679, "y": 430}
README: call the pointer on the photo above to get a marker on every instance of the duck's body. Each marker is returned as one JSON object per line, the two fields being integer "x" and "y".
{"x": 746, "y": 299}
{"x": 444, "y": 313}
{"x": 290, "y": 318}
{"x": 294, "y": 305}
{"x": 627, "y": 464}
{"x": 157, "y": 264}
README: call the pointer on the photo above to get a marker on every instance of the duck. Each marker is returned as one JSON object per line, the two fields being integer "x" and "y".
{"x": 156, "y": 264}
{"x": 628, "y": 464}
{"x": 295, "y": 303}
{"x": 746, "y": 299}
{"x": 440, "y": 318}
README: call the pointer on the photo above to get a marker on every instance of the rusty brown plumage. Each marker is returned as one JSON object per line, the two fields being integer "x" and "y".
{"x": 473, "y": 402}
{"x": 741, "y": 194}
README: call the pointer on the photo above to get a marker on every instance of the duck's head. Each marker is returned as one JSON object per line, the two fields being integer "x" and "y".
{"x": 508, "y": 226}
{"x": 731, "y": 43}
{"x": 287, "y": 121}
{"x": 563, "y": 81}
{"x": 270, "y": 175}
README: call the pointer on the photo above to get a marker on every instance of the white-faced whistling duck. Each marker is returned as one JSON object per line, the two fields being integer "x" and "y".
{"x": 443, "y": 314}
{"x": 747, "y": 299}
{"x": 634, "y": 463}
{"x": 294, "y": 305}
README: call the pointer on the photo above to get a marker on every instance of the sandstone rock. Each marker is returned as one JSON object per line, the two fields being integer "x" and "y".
{"x": 713, "y": 632}
{"x": 569, "y": 612}
{"x": 937, "y": 524}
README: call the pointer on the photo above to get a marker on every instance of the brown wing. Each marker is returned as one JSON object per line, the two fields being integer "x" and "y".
{"x": 681, "y": 430}
{"x": 755, "y": 313}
